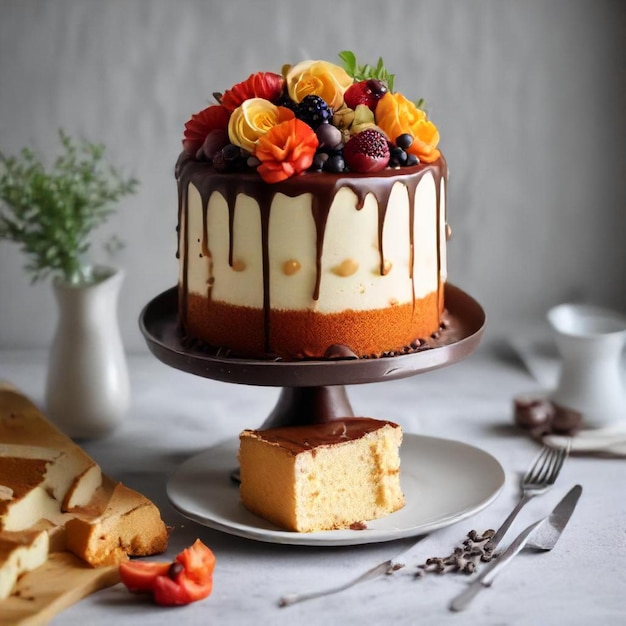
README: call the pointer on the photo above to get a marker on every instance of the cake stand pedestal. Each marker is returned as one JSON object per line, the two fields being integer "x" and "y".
{"x": 313, "y": 391}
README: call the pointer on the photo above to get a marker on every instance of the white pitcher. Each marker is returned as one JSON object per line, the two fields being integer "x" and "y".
{"x": 590, "y": 341}
{"x": 87, "y": 387}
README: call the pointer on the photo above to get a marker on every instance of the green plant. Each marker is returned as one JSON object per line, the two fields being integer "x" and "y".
{"x": 365, "y": 72}
{"x": 51, "y": 213}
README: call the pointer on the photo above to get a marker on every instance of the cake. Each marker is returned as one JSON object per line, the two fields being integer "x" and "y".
{"x": 20, "y": 552}
{"x": 323, "y": 476}
{"x": 54, "y": 498}
{"x": 311, "y": 215}
{"x": 119, "y": 523}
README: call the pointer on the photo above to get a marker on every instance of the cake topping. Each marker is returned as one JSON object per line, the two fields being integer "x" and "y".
{"x": 317, "y": 116}
{"x": 367, "y": 152}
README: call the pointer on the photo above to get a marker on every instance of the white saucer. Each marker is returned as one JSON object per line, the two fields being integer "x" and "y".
{"x": 443, "y": 481}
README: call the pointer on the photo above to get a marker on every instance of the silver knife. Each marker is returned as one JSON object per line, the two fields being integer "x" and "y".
{"x": 542, "y": 535}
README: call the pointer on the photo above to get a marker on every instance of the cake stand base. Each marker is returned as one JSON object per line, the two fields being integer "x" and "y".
{"x": 309, "y": 405}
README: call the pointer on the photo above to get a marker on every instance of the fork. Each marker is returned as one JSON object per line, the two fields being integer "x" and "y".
{"x": 539, "y": 478}
{"x": 386, "y": 567}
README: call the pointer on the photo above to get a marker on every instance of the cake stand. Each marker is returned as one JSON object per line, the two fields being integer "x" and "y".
{"x": 312, "y": 391}
{"x": 444, "y": 481}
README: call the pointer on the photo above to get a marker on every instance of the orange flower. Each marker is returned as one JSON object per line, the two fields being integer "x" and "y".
{"x": 201, "y": 124}
{"x": 286, "y": 150}
{"x": 396, "y": 115}
{"x": 266, "y": 85}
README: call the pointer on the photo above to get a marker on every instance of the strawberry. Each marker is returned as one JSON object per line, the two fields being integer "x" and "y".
{"x": 366, "y": 152}
{"x": 367, "y": 92}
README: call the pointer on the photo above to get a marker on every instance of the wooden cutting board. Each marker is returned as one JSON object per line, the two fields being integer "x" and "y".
{"x": 60, "y": 582}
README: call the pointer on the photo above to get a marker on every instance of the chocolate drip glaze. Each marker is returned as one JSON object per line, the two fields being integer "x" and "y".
{"x": 323, "y": 187}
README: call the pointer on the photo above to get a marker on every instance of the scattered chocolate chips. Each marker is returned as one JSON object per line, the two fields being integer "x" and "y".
{"x": 358, "y": 526}
{"x": 464, "y": 559}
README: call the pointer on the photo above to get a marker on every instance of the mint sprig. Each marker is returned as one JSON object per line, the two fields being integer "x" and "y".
{"x": 52, "y": 212}
{"x": 365, "y": 72}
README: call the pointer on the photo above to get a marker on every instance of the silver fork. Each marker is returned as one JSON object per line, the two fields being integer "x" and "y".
{"x": 539, "y": 478}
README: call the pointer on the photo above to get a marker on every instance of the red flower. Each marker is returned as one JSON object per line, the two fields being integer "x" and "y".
{"x": 286, "y": 150}
{"x": 265, "y": 85}
{"x": 201, "y": 124}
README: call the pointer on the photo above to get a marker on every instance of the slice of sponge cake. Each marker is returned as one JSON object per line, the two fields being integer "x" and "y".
{"x": 322, "y": 476}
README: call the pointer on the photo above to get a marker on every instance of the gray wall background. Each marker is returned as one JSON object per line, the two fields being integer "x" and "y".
{"x": 529, "y": 98}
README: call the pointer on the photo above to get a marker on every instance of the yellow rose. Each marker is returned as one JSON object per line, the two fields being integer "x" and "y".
{"x": 319, "y": 78}
{"x": 253, "y": 119}
{"x": 397, "y": 115}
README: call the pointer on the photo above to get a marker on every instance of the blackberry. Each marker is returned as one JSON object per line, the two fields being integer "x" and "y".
{"x": 313, "y": 110}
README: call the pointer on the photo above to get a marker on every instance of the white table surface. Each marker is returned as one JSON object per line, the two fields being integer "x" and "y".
{"x": 175, "y": 415}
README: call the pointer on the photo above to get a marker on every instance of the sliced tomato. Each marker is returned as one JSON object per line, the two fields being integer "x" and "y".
{"x": 183, "y": 590}
{"x": 139, "y": 576}
{"x": 186, "y": 579}
{"x": 198, "y": 561}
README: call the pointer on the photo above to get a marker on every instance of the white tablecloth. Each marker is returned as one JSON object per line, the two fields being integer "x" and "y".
{"x": 175, "y": 415}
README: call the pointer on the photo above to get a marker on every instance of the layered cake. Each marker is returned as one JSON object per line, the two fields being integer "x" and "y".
{"x": 312, "y": 214}
{"x": 324, "y": 476}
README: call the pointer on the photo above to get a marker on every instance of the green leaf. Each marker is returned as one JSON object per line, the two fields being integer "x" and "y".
{"x": 365, "y": 72}
{"x": 349, "y": 60}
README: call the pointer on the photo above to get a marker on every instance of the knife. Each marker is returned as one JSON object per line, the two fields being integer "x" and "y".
{"x": 542, "y": 535}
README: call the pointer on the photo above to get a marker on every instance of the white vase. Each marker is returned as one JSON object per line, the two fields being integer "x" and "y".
{"x": 591, "y": 343}
{"x": 88, "y": 387}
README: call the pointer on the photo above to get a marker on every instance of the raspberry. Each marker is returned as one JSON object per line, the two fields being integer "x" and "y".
{"x": 367, "y": 152}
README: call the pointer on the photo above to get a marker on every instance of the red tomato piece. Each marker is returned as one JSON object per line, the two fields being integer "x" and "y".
{"x": 139, "y": 576}
{"x": 170, "y": 592}
{"x": 186, "y": 579}
{"x": 198, "y": 561}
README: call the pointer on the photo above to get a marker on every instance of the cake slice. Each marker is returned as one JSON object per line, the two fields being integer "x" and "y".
{"x": 322, "y": 476}
{"x": 71, "y": 476}
{"x": 20, "y": 552}
{"x": 119, "y": 523}
{"x": 49, "y": 485}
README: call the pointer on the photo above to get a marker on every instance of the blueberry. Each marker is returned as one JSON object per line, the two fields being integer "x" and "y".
{"x": 404, "y": 141}
{"x": 411, "y": 159}
{"x": 398, "y": 154}
{"x": 319, "y": 160}
{"x": 335, "y": 164}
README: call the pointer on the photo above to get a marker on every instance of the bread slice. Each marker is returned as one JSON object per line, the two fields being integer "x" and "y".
{"x": 49, "y": 484}
{"x": 322, "y": 476}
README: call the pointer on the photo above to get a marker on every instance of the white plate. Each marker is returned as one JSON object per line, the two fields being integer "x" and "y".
{"x": 443, "y": 481}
